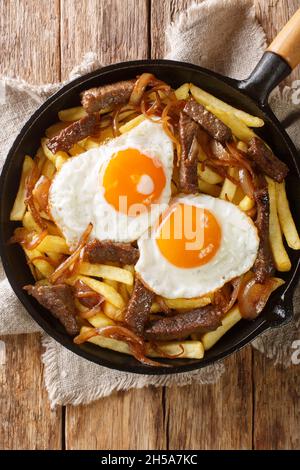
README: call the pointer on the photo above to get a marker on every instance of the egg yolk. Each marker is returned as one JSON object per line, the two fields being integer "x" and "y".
{"x": 188, "y": 236}
{"x": 132, "y": 181}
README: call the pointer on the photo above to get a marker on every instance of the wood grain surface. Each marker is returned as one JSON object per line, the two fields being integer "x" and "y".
{"x": 255, "y": 404}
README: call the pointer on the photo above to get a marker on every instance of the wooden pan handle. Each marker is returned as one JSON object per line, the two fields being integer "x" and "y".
{"x": 287, "y": 43}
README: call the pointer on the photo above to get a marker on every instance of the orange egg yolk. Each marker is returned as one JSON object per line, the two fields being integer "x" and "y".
{"x": 188, "y": 236}
{"x": 132, "y": 181}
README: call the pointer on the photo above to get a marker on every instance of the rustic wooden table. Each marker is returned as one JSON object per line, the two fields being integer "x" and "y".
{"x": 255, "y": 405}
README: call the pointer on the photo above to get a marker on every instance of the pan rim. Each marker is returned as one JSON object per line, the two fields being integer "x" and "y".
{"x": 53, "y": 332}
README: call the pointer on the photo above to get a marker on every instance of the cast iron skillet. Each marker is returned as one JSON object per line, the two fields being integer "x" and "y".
{"x": 250, "y": 95}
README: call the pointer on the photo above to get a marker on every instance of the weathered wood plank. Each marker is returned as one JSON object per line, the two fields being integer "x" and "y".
{"x": 276, "y": 405}
{"x": 29, "y": 44}
{"x": 273, "y": 15}
{"x": 162, "y": 14}
{"x": 115, "y": 29}
{"x": 29, "y": 39}
{"x": 197, "y": 416}
{"x": 26, "y": 419}
{"x": 215, "y": 416}
{"x": 125, "y": 420}
{"x": 276, "y": 390}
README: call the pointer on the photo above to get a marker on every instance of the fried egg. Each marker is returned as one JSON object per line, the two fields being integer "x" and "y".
{"x": 120, "y": 187}
{"x": 198, "y": 244}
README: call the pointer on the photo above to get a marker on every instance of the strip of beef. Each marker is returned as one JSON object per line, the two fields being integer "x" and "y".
{"x": 199, "y": 320}
{"x": 60, "y": 301}
{"x": 106, "y": 96}
{"x": 213, "y": 126}
{"x": 85, "y": 127}
{"x": 97, "y": 251}
{"x": 266, "y": 161}
{"x": 188, "y": 177}
{"x": 139, "y": 306}
{"x": 264, "y": 263}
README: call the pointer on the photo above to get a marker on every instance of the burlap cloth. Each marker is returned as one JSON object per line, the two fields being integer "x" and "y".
{"x": 222, "y": 35}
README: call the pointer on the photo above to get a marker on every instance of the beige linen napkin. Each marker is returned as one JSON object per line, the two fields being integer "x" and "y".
{"x": 192, "y": 38}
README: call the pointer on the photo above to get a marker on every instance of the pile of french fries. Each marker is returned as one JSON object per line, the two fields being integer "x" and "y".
{"x": 115, "y": 283}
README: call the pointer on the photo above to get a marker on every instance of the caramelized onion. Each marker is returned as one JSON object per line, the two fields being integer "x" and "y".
{"x": 86, "y": 296}
{"x": 28, "y": 239}
{"x": 115, "y": 122}
{"x": 44, "y": 258}
{"x": 236, "y": 284}
{"x": 90, "y": 313}
{"x": 246, "y": 182}
{"x": 219, "y": 151}
{"x": 163, "y": 306}
{"x": 240, "y": 158}
{"x": 139, "y": 88}
{"x": 30, "y": 183}
{"x": 252, "y": 296}
{"x": 120, "y": 333}
{"x": 41, "y": 191}
{"x": 162, "y": 353}
{"x": 65, "y": 265}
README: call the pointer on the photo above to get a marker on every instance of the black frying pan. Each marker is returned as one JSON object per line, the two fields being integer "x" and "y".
{"x": 250, "y": 95}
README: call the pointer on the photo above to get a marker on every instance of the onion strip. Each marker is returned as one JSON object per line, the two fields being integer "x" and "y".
{"x": 65, "y": 265}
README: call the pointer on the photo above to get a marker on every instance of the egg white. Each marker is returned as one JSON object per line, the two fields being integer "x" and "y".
{"x": 236, "y": 255}
{"x": 76, "y": 196}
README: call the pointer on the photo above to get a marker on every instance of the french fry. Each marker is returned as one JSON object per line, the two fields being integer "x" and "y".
{"x": 186, "y": 349}
{"x": 131, "y": 124}
{"x": 52, "y": 156}
{"x": 231, "y": 318}
{"x": 113, "y": 283}
{"x": 182, "y": 93}
{"x": 107, "y": 272}
{"x": 178, "y": 349}
{"x": 60, "y": 160}
{"x": 113, "y": 312}
{"x": 29, "y": 223}
{"x": 246, "y": 203}
{"x": 81, "y": 308}
{"x": 155, "y": 307}
{"x": 55, "y": 244}
{"x": 124, "y": 292}
{"x": 129, "y": 268}
{"x": 55, "y": 129}
{"x": 90, "y": 143}
{"x": 100, "y": 320}
{"x": 72, "y": 114}
{"x": 105, "y": 135}
{"x": 206, "y": 99}
{"x": 56, "y": 257}
{"x": 48, "y": 169}
{"x": 285, "y": 217}
{"x": 107, "y": 291}
{"x": 281, "y": 258}
{"x": 238, "y": 196}
{"x": 40, "y": 158}
{"x": 196, "y": 302}
{"x": 239, "y": 129}
{"x": 19, "y": 206}
{"x": 208, "y": 175}
{"x": 211, "y": 189}
{"x": 76, "y": 150}
{"x": 201, "y": 154}
{"x": 242, "y": 146}
{"x": 43, "y": 266}
{"x": 229, "y": 188}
